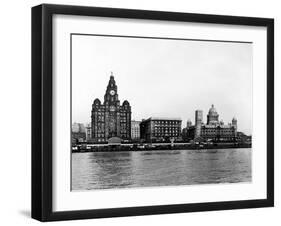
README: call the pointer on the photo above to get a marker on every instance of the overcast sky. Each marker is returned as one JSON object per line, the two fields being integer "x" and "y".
{"x": 165, "y": 78}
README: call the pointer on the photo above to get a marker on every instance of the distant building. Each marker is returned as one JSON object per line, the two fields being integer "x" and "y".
{"x": 135, "y": 130}
{"x": 88, "y": 132}
{"x": 188, "y": 123}
{"x": 198, "y": 122}
{"x": 160, "y": 129}
{"x": 184, "y": 130}
{"x": 78, "y": 127}
{"x": 214, "y": 129}
{"x": 110, "y": 119}
{"x": 243, "y": 138}
{"x": 78, "y": 133}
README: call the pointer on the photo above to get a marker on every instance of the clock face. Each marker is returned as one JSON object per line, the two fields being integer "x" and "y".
{"x": 112, "y": 92}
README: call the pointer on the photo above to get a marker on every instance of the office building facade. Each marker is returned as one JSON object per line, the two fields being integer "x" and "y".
{"x": 160, "y": 129}
{"x": 135, "y": 130}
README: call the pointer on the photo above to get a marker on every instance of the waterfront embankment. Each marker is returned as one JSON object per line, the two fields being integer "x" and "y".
{"x": 155, "y": 146}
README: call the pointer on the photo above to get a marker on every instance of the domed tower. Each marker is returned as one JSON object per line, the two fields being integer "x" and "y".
{"x": 126, "y": 103}
{"x": 95, "y": 118}
{"x": 96, "y": 103}
{"x": 213, "y": 116}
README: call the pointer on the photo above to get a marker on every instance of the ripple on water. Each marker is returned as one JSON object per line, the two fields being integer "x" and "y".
{"x": 105, "y": 170}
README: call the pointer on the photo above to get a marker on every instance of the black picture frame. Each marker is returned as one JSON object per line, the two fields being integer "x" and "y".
{"x": 42, "y": 111}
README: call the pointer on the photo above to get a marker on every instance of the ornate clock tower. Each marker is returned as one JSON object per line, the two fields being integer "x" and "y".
{"x": 112, "y": 104}
{"x": 110, "y": 119}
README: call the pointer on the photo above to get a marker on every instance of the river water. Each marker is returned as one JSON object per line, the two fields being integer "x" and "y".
{"x": 104, "y": 170}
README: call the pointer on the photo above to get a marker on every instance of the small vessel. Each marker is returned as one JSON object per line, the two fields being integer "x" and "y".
{"x": 207, "y": 150}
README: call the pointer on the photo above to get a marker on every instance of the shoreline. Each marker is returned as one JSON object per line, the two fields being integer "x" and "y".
{"x": 163, "y": 147}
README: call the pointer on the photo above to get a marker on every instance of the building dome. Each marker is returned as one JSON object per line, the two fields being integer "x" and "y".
{"x": 97, "y": 101}
{"x": 126, "y": 103}
{"x": 234, "y": 119}
{"x": 213, "y": 116}
{"x": 213, "y": 111}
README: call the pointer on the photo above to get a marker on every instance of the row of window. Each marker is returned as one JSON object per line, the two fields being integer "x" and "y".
{"x": 103, "y": 114}
{"x": 100, "y": 135}
{"x": 102, "y": 110}
{"x": 221, "y": 130}
{"x": 101, "y": 119}
{"x": 124, "y": 113}
{"x": 165, "y": 134}
{"x": 101, "y": 125}
{"x": 166, "y": 129}
{"x": 215, "y": 134}
{"x": 222, "y": 136}
{"x": 167, "y": 122}
{"x": 168, "y": 126}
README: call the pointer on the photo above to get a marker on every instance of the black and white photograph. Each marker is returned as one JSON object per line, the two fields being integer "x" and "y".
{"x": 141, "y": 112}
{"x": 157, "y": 111}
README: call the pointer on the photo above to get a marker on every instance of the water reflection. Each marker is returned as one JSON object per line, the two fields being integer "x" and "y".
{"x": 100, "y": 170}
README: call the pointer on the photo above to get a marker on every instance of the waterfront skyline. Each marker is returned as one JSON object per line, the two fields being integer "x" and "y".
{"x": 165, "y": 78}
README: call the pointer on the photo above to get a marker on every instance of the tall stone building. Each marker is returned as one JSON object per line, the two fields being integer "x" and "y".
{"x": 110, "y": 119}
{"x": 135, "y": 130}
